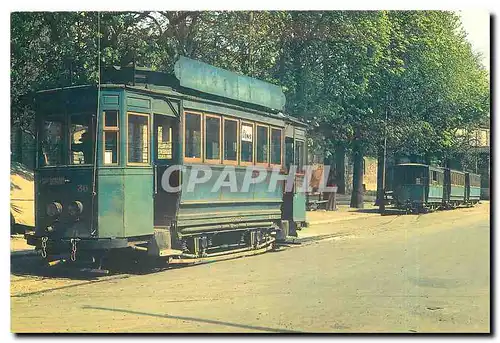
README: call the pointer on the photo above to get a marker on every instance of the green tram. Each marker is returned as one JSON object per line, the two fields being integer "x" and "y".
{"x": 454, "y": 190}
{"x": 472, "y": 188}
{"x": 420, "y": 188}
{"x": 99, "y": 182}
{"x": 417, "y": 187}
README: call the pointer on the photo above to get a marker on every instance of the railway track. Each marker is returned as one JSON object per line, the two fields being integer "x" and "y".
{"x": 30, "y": 276}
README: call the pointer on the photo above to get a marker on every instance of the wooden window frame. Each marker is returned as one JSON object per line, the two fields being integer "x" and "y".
{"x": 104, "y": 120}
{"x": 193, "y": 159}
{"x": 282, "y": 150}
{"x": 263, "y": 164}
{"x": 139, "y": 164}
{"x": 211, "y": 160}
{"x": 111, "y": 129}
{"x": 245, "y": 163}
{"x": 155, "y": 135}
{"x": 231, "y": 162}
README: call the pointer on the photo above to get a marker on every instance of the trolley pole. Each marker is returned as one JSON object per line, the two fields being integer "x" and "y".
{"x": 381, "y": 205}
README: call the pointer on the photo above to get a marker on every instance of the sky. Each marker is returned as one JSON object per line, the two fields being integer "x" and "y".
{"x": 477, "y": 25}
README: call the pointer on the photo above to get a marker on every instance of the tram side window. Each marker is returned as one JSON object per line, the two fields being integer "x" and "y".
{"x": 299, "y": 156}
{"x": 138, "y": 138}
{"x": 246, "y": 143}
{"x": 51, "y": 143}
{"x": 81, "y": 140}
{"x": 275, "y": 146}
{"x": 192, "y": 135}
{"x": 230, "y": 140}
{"x": 262, "y": 144}
{"x": 110, "y": 137}
{"x": 212, "y": 138}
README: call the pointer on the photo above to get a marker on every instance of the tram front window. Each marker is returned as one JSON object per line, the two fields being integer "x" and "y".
{"x": 81, "y": 142}
{"x": 67, "y": 141}
{"x": 52, "y": 137}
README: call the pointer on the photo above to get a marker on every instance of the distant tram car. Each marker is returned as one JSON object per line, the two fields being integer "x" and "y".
{"x": 420, "y": 188}
{"x": 99, "y": 182}
{"x": 472, "y": 188}
{"x": 454, "y": 190}
{"x": 417, "y": 187}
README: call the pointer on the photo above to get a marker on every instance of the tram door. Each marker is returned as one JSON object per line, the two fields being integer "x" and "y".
{"x": 165, "y": 155}
{"x": 294, "y": 202}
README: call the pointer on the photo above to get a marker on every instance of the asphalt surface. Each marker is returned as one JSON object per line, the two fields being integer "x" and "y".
{"x": 425, "y": 273}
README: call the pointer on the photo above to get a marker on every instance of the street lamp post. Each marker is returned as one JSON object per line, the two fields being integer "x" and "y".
{"x": 384, "y": 158}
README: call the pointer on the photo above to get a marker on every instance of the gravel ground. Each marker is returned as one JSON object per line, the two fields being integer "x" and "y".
{"x": 410, "y": 273}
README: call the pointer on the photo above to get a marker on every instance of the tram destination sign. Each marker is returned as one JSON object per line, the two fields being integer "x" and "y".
{"x": 209, "y": 79}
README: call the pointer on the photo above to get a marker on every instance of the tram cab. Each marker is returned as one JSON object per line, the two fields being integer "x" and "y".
{"x": 104, "y": 154}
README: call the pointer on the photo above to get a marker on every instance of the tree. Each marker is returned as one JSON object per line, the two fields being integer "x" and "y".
{"x": 341, "y": 71}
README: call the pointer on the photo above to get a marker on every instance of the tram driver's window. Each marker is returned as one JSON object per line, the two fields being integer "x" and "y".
{"x": 212, "y": 138}
{"x": 262, "y": 144}
{"x": 276, "y": 146}
{"x": 138, "y": 138}
{"x": 51, "y": 143}
{"x": 81, "y": 140}
{"x": 246, "y": 134}
{"x": 230, "y": 140}
{"x": 110, "y": 137}
{"x": 192, "y": 135}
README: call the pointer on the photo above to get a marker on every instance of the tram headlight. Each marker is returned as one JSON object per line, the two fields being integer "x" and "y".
{"x": 75, "y": 208}
{"x": 54, "y": 209}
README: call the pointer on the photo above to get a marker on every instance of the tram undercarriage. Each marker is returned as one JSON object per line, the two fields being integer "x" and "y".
{"x": 165, "y": 248}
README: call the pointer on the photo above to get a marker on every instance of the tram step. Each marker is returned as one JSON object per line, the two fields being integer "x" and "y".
{"x": 170, "y": 252}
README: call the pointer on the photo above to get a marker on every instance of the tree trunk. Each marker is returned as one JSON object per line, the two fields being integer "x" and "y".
{"x": 19, "y": 145}
{"x": 357, "y": 176}
{"x": 331, "y": 177}
{"x": 380, "y": 174}
{"x": 427, "y": 159}
{"x": 340, "y": 169}
{"x": 282, "y": 67}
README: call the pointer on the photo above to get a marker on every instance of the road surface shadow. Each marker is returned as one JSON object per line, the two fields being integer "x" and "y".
{"x": 36, "y": 266}
{"x": 199, "y": 320}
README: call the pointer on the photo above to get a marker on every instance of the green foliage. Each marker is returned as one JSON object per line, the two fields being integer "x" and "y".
{"x": 342, "y": 71}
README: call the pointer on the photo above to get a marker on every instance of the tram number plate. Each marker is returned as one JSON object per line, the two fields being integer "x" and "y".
{"x": 82, "y": 188}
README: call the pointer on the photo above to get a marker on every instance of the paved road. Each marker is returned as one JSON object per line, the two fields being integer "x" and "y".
{"x": 427, "y": 273}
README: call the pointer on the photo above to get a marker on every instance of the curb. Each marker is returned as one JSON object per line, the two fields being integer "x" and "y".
{"x": 331, "y": 221}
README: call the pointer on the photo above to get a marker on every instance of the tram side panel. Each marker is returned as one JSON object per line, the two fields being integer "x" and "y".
{"x": 226, "y": 206}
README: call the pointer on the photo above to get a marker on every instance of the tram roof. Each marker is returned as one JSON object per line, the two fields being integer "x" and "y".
{"x": 195, "y": 78}
{"x": 418, "y": 165}
{"x": 432, "y": 167}
{"x": 412, "y": 164}
{"x": 181, "y": 94}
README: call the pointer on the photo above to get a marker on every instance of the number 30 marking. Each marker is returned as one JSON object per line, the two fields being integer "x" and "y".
{"x": 82, "y": 188}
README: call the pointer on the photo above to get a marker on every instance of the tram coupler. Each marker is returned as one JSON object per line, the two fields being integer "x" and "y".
{"x": 55, "y": 262}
